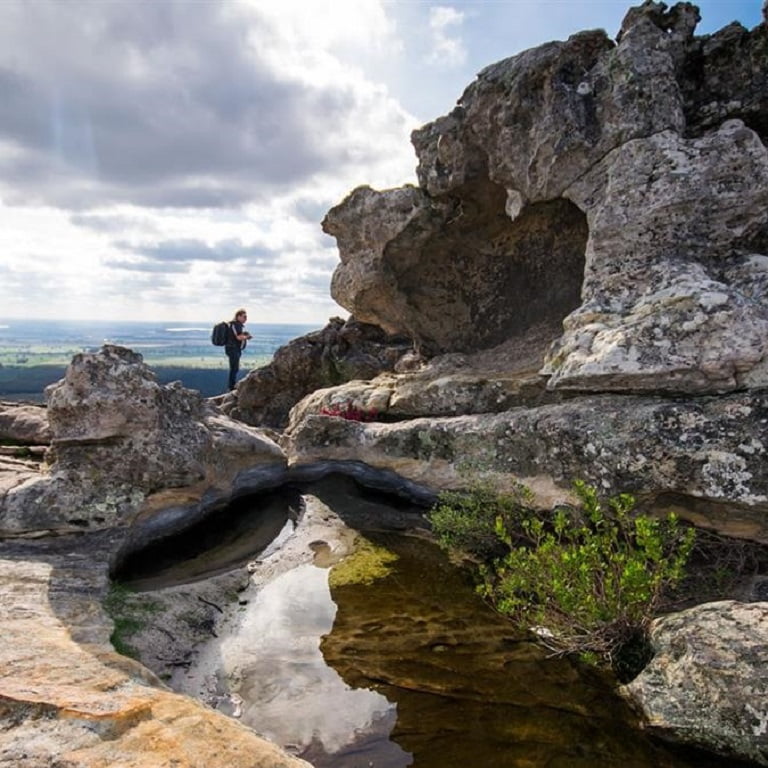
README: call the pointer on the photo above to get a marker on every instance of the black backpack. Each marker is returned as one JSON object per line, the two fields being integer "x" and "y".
{"x": 220, "y": 334}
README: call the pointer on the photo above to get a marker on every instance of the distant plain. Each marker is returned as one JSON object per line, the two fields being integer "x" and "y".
{"x": 34, "y": 354}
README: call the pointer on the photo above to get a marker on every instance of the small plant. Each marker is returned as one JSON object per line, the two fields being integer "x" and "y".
{"x": 587, "y": 579}
{"x": 350, "y": 412}
{"x": 467, "y": 520}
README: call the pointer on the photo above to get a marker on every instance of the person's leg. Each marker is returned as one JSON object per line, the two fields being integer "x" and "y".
{"x": 234, "y": 366}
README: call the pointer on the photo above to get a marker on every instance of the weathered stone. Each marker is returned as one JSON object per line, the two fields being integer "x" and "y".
{"x": 121, "y": 443}
{"x": 109, "y": 413}
{"x": 24, "y": 423}
{"x": 447, "y": 271}
{"x": 66, "y": 698}
{"x": 490, "y": 381}
{"x": 710, "y": 449}
{"x": 659, "y": 255}
{"x": 341, "y": 351}
{"x": 684, "y": 309}
{"x": 707, "y": 682}
{"x": 724, "y": 77}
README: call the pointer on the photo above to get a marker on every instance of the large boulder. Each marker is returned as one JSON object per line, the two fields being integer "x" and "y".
{"x": 343, "y": 350}
{"x": 707, "y": 682}
{"x": 125, "y": 450}
{"x": 615, "y": 191}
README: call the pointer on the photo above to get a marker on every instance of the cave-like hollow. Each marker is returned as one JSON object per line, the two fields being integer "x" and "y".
{"x": 479, "y": 278}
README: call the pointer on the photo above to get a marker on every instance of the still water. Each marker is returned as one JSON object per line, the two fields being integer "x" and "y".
{"x": 413, "y": 669}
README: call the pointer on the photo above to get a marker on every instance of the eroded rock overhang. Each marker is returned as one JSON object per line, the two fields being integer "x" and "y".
{"x": 614, "y": 192}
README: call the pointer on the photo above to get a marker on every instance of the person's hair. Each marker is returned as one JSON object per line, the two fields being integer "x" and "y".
{"x": 238, "y": 312}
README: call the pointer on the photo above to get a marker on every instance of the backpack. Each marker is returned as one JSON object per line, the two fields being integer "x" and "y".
{"x": 220, "y": 334}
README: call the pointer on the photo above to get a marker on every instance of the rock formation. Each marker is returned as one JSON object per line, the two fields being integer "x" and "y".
{"x": 341, "y": 351}
{"x": 616, "y": 191}
{"x": 67, "y": 698}
{"x": 124, "y": 448}
{"x": 707, "y": 678}
{"x": 585, "y": 261}
{"x": 581, "y": 281}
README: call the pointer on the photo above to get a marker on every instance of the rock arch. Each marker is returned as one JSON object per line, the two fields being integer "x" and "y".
{"x": 482, "y": 278}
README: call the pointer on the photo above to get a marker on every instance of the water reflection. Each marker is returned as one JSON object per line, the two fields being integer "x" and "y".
{"x": 289, "y": 693}
{"x": 411, "y": 670}
{"x": 469, "y": 690}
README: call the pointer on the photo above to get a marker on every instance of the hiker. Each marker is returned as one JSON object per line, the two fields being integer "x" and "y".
{"x": 236, "y": 341}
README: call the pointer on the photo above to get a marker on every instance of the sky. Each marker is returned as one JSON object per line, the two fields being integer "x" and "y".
{"x": 171, "y": 160}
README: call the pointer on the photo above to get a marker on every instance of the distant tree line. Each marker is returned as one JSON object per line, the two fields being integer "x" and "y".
{"x": 28, "y": 382}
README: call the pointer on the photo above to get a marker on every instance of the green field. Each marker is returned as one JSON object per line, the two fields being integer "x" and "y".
{"x": 27, "y": 380}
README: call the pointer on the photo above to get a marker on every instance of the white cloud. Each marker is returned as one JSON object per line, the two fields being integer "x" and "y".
{"x": 160, "y": 158}
{"x": 171, "y": 160}
{"x": 447, "y": 49}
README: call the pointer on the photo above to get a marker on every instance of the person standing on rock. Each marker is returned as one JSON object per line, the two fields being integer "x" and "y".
{"x": 236, "y": 341}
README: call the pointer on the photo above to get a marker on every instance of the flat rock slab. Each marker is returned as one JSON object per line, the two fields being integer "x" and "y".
{"x": 67, "y": 698}
{"x": 24, "y": 423}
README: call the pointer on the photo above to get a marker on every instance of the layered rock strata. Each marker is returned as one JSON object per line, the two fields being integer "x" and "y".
{"x": 708, "y": 455}
{"x": 66, "y": 697}
{"x": 124, "y": 448}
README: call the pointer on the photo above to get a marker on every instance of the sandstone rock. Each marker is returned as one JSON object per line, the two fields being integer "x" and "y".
{"x": 708, "y": 453}
{"x": 457, "y": 275}
{"x": 109, "y": 414}
{"x": 616, "y": 189}
{"x": 684, "y": 309}
{"x": 341, "y": 351}
{"x": 707, "y": 683}
{"x": 66, "y": 698}
{"x": 490, "y": 381}
{"x": 126, "y": 450}
{"x": 24, "y": 423}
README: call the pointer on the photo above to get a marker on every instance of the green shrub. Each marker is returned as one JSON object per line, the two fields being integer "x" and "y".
{"x": 467, "y": 520}
{"x": 587, "y": 579}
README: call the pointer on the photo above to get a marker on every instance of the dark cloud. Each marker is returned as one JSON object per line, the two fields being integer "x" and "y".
{"x": 188, "y": 250}
{"x": 154, "y": 103}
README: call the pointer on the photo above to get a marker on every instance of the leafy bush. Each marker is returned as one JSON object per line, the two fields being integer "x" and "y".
{"x": 467, "y": 520}
{"x": 587, "y": 579}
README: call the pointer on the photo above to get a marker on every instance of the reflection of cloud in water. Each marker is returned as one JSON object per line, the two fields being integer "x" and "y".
{"x": 290, "y": 695}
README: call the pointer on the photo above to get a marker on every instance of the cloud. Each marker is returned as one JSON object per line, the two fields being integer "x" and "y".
{"x": 447, "y": 50}
{"x": 187, "y": 250}
{"x": 110, "y": 223}
{"x": 173, "y": 104}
